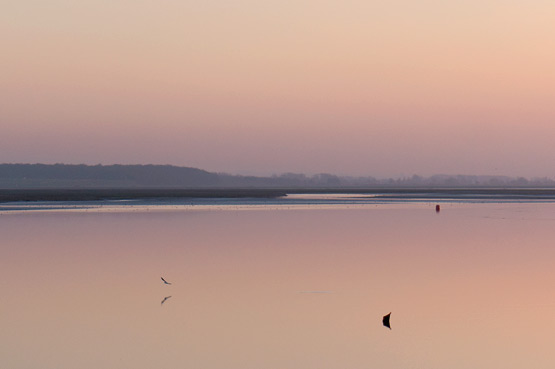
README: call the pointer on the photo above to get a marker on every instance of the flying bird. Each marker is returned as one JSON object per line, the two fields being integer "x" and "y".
{"x": 385, "y": 321}
{"x": 166, "y": 282}
{"x": 164, "y": 300}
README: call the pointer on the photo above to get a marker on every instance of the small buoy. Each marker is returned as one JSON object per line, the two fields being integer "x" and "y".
{"x": 437, "y": 209}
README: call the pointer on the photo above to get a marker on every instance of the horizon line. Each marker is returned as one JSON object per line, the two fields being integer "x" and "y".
{"x": 397, "y": 177}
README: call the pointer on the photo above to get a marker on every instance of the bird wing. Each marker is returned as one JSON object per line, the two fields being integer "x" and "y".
{"x": 164, "y": 300}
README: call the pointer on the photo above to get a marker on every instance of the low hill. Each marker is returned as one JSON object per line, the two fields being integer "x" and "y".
{"x": 65, "y": 176}
{"x": 103, "y": 176}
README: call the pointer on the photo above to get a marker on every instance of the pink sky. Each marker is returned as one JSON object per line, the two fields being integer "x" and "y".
{"x": 353, "y": 87}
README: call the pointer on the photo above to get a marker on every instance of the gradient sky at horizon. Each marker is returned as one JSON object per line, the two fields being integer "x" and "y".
{"x": 383, "y": 88}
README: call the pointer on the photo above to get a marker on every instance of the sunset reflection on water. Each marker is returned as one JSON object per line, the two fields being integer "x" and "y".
{"x": 469, "y": 287}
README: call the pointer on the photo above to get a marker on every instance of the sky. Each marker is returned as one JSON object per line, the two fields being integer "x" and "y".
{"x": 369, "y": 88}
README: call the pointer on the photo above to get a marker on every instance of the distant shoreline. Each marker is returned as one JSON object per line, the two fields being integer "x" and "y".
{"x": 432, "y": 194}
{"x": 32, "y": 195}
{"x": 155, "y": 177}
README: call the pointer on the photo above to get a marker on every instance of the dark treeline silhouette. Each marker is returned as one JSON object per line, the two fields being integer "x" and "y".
{"x": 40, "y": 176}
{"x": 103, "y": 176}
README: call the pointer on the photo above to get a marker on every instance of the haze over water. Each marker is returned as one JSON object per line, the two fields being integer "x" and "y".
{"x": 278, "y": 287}
{"x": 352, "y": 88}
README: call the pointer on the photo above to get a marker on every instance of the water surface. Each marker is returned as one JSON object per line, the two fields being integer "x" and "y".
{"x": 272, "y": 286}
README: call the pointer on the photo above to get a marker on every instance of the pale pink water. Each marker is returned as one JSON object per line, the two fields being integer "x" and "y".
{"x": 470, "y": 287}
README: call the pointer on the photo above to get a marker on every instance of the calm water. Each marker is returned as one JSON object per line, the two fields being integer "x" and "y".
{"x": 276, "y": 287}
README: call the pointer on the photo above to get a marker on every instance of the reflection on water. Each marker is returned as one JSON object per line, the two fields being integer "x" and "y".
{"x": 469, "y": 287}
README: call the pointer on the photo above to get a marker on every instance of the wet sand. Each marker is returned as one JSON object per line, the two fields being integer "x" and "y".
{"x": 13, "y": 195}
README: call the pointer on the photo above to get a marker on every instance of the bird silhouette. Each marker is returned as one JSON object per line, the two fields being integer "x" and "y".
{"x": 166, "y": 282}
{"x": 164, "y": 300}
{"x": 385, "y": 321}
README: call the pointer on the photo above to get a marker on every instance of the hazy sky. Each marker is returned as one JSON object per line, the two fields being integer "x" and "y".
{"x": 381, "y": 88}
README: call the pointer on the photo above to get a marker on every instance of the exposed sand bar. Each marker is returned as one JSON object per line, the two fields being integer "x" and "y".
{"x": 12, "y": 195}
{"x": 129, "y": 194}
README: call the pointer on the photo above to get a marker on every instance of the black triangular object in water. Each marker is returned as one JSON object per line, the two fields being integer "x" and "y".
{"x": 385, "y": 321}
